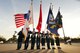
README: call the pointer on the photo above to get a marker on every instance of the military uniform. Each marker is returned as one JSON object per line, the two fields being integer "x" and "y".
{"x": 43, "y": 40}
{"x": 57, "y": 40}
{"x": 33, "y": 40}
{"x": 27, "y": 41}
{"x": 20, "y": 40}
{"x": 48, "y": 40}
{"x": 38, "y": 41}
{"x": 52, "y": 41}
{"x": 56, "y": 36}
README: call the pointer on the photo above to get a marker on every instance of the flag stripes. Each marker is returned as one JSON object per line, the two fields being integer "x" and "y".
{"x": 19, "y": 20}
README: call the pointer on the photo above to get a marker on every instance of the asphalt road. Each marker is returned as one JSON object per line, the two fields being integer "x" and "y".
{"x": 65, "y": 48}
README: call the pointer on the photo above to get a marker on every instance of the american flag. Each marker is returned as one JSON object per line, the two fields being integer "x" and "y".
{"x": 19, "y": 20}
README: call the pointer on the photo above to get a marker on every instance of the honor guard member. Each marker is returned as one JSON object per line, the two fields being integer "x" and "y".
{"x": 38, "y": 40}
{"x": 56, "y": 36}
{"x": 20, "y": 40}
{"x": 48, "y": 39}
{"x": 54, "y": 31}
{"x": 52, "y": 41}
{"x": 33, "y": 36}
{"x": 43, "y": 40}
{"x": 57, "y": 42}
{"x": 27, "y": 41}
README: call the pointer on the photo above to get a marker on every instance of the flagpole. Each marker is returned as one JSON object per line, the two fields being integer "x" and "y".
{"x": 64, "y": 35}
{"x": 32, "y": 12}
{"x": 40, "y": 1}
{"x": 51, "y": 6}
{"x": 51, "y": 9}
{"x": 63, "y": 30}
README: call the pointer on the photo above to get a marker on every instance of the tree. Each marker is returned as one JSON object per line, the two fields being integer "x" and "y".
{"x": 13, "y": 39}
{"x": 2, "y": 39}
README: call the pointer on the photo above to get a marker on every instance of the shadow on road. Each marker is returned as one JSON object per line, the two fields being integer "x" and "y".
{"x": 35, "y": 51}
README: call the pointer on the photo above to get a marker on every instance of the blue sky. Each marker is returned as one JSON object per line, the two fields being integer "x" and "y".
{"x": 70, "y": 10}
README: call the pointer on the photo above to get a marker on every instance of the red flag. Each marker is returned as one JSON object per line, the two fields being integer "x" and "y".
{"x": 40, "y": 20}
{"x": 19, "y": 20}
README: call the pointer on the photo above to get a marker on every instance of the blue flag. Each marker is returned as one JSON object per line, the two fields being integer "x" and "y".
{"x": 53, "y": 29}
{"x": 26, "y": 16}
{"x": 58, "y": 19}
{"x": 50, "y": 16}
{"x": 51, "y": 24}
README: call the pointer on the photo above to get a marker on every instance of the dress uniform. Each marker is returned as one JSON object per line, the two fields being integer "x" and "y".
{"x": 43, "y": 40}
{"x": 38, "y": 41}
{"x": 48, "y": 39}
{"x": 57, "y": 42}
{"x": 56, "y": 36}
{"x": 54, "y": 30}
{"x": 20, "y": 40}
{"x": 52, "y": 41}
{"x": 33, "y": 36}
{"x": 27, "y": 41}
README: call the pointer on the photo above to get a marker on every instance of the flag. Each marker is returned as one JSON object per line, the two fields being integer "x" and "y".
{"x": 40, "y": 20}
{"x": 58, "y": 19}
{"x": 19, "y": 20}
{"x": 53, "y": 29}
{"x": 50, "y": 16}
{"x": 23, "y": 19}
{"x": 51, "y": 25}
{"x": 26, "y": 25}
{"x": 31, "y": 13}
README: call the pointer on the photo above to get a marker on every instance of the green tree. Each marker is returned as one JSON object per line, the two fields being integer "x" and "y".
{"x": 13, "y": 39}
{"x": 2, "y": 39}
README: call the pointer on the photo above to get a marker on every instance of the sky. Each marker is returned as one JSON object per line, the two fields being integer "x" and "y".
{"x": 70, "y": 10}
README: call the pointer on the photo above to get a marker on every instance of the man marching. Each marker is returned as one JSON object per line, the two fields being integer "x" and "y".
{"x": 27, "y": 41}
{"x": 48, "y": 39}
{"x": 33, "y": 36}
{"x": 43, "y": 40}
{"x": 52, "y": 41}
{"x": 38, "y": 41}
{"x": 20, "y": 39}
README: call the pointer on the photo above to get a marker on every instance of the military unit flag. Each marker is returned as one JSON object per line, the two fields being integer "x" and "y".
{"x": 58, "y": 19}
{"x": 51, "y": 25}
{"x": 40, "y": 19}
{"x": 26, "y": 19}
{"x": 54, "y": 24}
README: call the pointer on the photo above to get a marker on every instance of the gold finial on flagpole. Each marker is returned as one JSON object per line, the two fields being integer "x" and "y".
{"x": 59, "y": 9}
{"x": 31, "y": 2}
{"x": 40, "y": 1}
{"x": 52, "y": 7}
{"x": 32, "y": 12}
{"x": 50, "y": 4}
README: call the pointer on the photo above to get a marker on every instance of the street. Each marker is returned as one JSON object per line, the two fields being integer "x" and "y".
{"x": 65, "y": 48}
